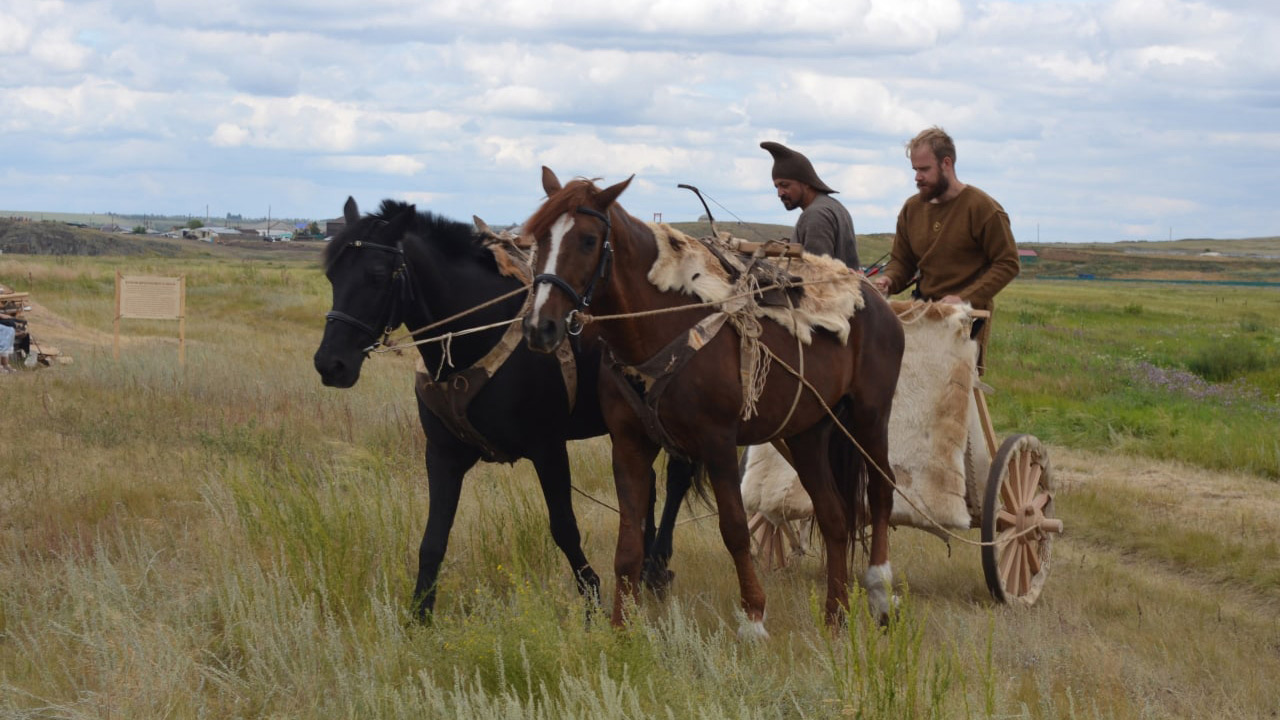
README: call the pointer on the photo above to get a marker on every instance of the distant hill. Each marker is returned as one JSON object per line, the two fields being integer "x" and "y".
{"x": 58, "y": 238}
{"x": 1195, "y": 260}
{"x": 1246, "y": 260}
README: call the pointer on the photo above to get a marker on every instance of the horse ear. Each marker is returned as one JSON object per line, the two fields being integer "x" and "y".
{"x": 610, "y": 194}
{"x": 350, "y": 212}
{"x": 550, "y": 183}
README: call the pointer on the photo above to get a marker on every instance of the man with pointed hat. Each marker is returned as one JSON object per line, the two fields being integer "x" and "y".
{"x": 824, "y": 226}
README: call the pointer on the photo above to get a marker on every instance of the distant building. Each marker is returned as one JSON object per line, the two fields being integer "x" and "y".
{"x": 1028, "y": 255}
{"x": 335, "y": 226}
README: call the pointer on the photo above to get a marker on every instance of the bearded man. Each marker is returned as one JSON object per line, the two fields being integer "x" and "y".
{"x": 952, "y": 239}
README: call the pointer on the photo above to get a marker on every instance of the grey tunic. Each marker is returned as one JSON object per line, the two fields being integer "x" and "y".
{"x": 825, "y": 228}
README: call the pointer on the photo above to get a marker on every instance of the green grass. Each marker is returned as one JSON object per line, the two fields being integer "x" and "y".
{"x": 232, "y": 539}
{"x": 1187, "y": 373}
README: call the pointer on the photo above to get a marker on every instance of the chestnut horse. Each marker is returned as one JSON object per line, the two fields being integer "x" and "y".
{"x": 591, "y": 251}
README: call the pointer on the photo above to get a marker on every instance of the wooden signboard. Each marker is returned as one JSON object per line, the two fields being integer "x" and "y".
{"x": 151, "y": 297}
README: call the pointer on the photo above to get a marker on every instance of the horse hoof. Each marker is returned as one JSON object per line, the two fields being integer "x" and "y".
{"x": 753, "y": 631}
{"x": 659, "y": 581}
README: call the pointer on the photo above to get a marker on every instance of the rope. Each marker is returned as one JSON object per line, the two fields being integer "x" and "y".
{"x": 586, "y": 318}
{"x": 592, "y": 499}
{"x": 393, "y": 344}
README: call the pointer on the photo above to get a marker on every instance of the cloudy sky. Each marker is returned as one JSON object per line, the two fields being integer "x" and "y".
{"x": 1090, "y": 120}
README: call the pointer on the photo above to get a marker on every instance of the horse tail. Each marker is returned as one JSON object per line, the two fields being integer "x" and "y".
{"x": 849, "y": 471}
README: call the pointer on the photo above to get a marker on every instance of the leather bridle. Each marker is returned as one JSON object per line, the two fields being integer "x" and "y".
{"x": 401, "y": 295}
{"x": 583, "y": 301}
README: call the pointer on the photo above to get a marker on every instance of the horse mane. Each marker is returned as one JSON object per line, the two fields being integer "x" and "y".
{"x": 456, "y": 240}
{"x": 575, "y": 194}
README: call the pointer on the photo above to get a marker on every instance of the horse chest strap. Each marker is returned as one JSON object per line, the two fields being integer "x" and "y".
{"x": 643, "y": 385}
{"x": 449, "y": 401}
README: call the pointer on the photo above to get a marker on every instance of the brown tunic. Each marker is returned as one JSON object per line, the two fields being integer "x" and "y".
{"x": 962, "y": 247}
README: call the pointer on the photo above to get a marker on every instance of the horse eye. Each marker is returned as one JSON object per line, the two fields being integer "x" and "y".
{"x": 588, "y": 241}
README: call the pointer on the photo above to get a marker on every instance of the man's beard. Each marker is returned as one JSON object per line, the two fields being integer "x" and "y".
{"x": 937, "y": 190}
{"x": 789, "y": 204}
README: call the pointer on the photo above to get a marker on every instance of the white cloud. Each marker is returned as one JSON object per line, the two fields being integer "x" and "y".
{"x": 1083, "y": 116}
{"x": 297, "y": 123}
{"x": 14, "y": 34}
{"x": 381, "y": 164}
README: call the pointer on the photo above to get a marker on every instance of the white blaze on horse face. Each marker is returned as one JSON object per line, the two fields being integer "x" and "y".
{"x": 561, "y": 228}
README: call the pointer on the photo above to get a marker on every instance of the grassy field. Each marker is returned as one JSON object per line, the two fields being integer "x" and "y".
{"x": 232, "y": 539}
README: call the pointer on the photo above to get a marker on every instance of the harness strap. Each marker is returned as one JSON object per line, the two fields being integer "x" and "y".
{"x": 449, "y": 398}
{"x": 643, "y": 385}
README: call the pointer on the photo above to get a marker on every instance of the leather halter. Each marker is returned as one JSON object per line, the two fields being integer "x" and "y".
{"x": 402, "y": 294}
{"x": 583, "y": 301}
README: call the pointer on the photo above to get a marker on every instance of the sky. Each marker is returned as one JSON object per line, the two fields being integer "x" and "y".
{"x": 1088, "y": 120}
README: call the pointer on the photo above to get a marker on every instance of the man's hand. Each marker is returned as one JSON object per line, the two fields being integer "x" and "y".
{"x": 881, "y": 283}
{"x": 953, "y": 299}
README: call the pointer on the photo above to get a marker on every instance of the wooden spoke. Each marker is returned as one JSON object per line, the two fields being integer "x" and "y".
{"x": 1024, "y": 570}
{"x": 1033, "y": 558}
{"x": 1040, "y": 501}
{"x": 1026, "y": 484}
{"x": 1008, "y": 496}
{"x": 1008, "y": 560}
{"x": 1005, "y": 519}
{"x": 1031, "y": 481}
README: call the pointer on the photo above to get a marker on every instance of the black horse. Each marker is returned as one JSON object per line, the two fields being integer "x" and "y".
{"x": 399, "y": 266}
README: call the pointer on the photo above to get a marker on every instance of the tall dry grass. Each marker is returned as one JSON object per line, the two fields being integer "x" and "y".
{"x": 234, "y": 540}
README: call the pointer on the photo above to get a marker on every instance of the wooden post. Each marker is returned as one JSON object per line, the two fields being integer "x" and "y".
{"x": 988, "y": 431}
{"x": 116, "y": 323}
{"x": 182, "y": 321}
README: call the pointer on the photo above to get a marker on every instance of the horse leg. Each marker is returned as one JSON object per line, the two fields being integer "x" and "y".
{"x": 871, "y": 429}
{"x": 552, "y": 467}
{"x": 650, "y": 533}
{"x": 867, "y": 412}
{"x": 722, "y": 469}
{"x": 447, "y": 464}
{"x": 633, "y": 457}
{"x": 810, "y": 452}
{"x": 657, "y": 574}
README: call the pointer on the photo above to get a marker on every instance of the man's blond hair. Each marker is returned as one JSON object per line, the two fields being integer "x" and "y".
{"x": 937, "y": 140}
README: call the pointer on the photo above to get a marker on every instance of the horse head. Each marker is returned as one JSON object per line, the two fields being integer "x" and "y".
{"x": 572, "y": 233}
{"x": 366, "y": 266}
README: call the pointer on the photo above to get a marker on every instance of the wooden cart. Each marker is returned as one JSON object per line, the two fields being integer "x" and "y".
{"x": 1004, "y": 488}
{"x": 1018, "y": 522}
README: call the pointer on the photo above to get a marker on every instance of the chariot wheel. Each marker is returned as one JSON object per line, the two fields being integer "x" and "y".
{"x": 1017, "y": 514}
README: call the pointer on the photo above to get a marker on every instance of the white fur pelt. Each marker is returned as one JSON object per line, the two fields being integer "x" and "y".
{"x": 929, "y": 425}
{"x": 832, "y": 293}
{"x": 770, "y": 487}
{"x": 928, "y": 429}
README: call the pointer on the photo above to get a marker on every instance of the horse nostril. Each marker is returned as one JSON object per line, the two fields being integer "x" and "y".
{"x": 541, "y": 334}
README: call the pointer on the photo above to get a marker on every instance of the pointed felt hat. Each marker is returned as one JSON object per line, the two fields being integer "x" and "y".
{"x": 791, "y": 165}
